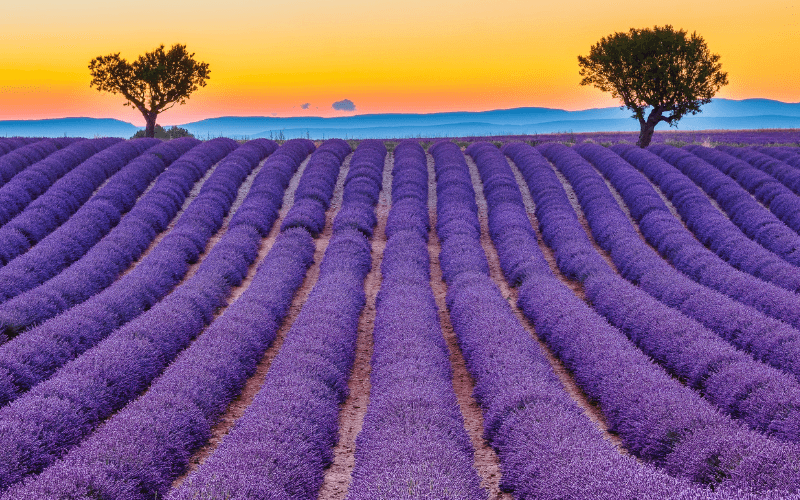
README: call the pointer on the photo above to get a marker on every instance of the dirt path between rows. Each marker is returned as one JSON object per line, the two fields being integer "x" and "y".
{"x": 570, "y": 386}
{"x": 487, "y": 463}
{"x": 238, "y": 406}
{"x": 186, "y": 202}
{"x": 339, "y": 474}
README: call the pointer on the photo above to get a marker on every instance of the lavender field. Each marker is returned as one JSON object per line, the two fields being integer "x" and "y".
{"x": 453, "y": 319}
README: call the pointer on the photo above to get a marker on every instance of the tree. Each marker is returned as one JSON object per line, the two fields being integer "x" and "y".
{"x": 153, "y": 83}
{"x": 162, "y": 133}
{"x": 659, "y": 69}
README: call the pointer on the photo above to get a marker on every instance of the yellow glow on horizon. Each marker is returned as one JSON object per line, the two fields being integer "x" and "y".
{"x": 396, "y": 56}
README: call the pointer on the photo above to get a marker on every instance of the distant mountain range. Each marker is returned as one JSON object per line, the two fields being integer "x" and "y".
{"x": 720, "y": 114}
{"x": 69, "y": 127}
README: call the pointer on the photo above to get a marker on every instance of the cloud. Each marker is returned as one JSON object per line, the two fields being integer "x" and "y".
{"x": 306, "y": 105}
{"x": 344, "y": 105}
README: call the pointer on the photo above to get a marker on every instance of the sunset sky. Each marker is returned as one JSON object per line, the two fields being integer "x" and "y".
{"x": 270, "y": 58}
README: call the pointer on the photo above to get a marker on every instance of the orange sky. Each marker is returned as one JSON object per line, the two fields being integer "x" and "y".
{"x": 387, "y": 56}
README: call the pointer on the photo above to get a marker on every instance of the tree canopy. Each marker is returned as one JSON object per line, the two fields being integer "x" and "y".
{"x": 153, "y": 83}
{"x": 668, "y": 72}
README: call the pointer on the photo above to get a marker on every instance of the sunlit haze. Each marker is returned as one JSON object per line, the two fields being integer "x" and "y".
{"x": 270, "y": 58}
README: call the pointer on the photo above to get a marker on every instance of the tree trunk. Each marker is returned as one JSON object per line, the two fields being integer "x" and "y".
{"x": 150, "y": 128}
{"x": 646, "y": 134}
{"x": 648, "y": 127}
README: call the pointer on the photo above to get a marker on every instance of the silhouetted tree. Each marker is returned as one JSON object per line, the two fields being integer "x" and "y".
{"x": 153, "y": 83}
{"x": 660, "y": 69}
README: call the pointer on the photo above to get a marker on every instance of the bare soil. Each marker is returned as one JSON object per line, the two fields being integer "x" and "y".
{"x": 570, "y": 386}
{"x": 238, "y": 406}
{"x": 487, "y": 463}
{"x": 339, "y": 474}
{"x": 160, "y": 236}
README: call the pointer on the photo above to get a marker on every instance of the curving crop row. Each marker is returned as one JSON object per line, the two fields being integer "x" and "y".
{"x": 715, "y": 172}
{"x": 788, "y": 175}
{"x": 18, "y": 159}
{"x": 763, "y": 397}
{"x": 509, "y": 226}
{"x": 61, "y": 199}
{"x": 769, "y": 181}
{"x": 457, "y": 224}
{"x": 413, "y": 443}
{"x": 281, "y": 445}
{"x": 769, "y": 340}
{"x": 86, "y": 227}
{"x": 181, "y": 405}
{"x": 658, "y": 419}
{"x": 39, "y": 352}
{"x": 787, "y": 155}
{"x": 8, "y": 144}
{"x": 547, "y": 446}
{"x": 712, "y": 228}
{"x": 408, "y": 182}
{"x": 105, "y": 378}
{"x": 313, "y": 195}
{"x": 38, "y": 176}
{"x": 114, "y": 253}
{"x": 360, "y": 196}
{"x": 705, "y": 267}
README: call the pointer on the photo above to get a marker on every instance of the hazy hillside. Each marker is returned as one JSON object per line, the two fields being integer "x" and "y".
{"x": 70, "y": 127}
{"x": 719, "y": 114}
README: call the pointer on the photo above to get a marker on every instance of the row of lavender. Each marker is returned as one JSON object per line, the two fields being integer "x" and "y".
{"x": 413, "y": 443}
{"x": 547, "y": 447}
{"x": 508, "y": 228}
{"x": 670, "y": 425}
{"x": 122, "y": 365}
{"x": 764, "y": 397}
{"x": 769, "y": 340}
{"x": 175, "y": 416}
{"x": 53, "y": 416}
{"x": 19, "y": 154}
{"x": 53, "y": 188}
{"x": 281, "y": 445}
{"x": 80, "y": 233}
{"x": 35, "y": 354}
{"x": 726, "y": 377}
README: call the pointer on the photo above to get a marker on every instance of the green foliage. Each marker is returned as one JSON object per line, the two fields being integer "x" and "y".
{"x": 153, "y": 83}
{"x": 667, "y": 71}
{"x": 160, "y": 133}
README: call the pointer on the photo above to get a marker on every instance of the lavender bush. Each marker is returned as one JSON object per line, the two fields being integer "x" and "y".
{"x": 25, "y": 155}
{"x": 525, "y": 406}
{"x": 769, "y": 340}
{"x": 194, "y": 391}
{"x": 99, "y": 215}
{"x": 153, "y": 277}
{"x": 313, "y": 194}
{"x": 413, "y": 443}
{"x": 756, "y": 221}
{"x": 65, "y": 180}
{"x": 280, "y": 447}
